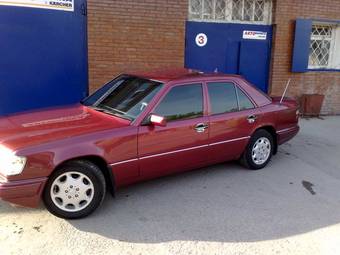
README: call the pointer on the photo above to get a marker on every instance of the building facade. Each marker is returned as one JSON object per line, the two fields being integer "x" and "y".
{"x": 266, "y": 41}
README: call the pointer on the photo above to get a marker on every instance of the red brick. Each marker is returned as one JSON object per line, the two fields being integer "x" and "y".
{"x": 134, "y": 35}
{"x": 327, "y": 83}
{"x": 150, "y": 34}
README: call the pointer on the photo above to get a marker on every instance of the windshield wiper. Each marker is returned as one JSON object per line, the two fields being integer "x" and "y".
{"x": 116, "y": 110}
{"x": 122, "y": 116}
{"x": 99, "y": 109}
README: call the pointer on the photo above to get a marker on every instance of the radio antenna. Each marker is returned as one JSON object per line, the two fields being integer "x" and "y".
{"x": 284, "y": 92}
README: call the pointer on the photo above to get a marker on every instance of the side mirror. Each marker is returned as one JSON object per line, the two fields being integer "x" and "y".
{"x": 156, "y": 120}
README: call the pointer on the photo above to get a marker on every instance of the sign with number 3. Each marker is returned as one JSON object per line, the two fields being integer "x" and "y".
{"x": 201, "y": 39}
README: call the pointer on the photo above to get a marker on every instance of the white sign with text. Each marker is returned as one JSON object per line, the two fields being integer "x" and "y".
{"x": 62, "y": 5}
{"x": 255, "y": 35}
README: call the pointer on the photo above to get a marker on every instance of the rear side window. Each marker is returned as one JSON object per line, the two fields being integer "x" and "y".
{"x": 244, "y": 101}
{"x": 182, "y": 102}
{"x": 223, "y": 97}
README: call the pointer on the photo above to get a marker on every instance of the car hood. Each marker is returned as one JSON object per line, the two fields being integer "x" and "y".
{"x": 38, "y": 127}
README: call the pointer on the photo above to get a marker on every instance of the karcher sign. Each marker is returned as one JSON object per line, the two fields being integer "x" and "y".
{"x": 63, "y": 5}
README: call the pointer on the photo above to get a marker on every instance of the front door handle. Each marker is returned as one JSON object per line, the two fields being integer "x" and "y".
{"x": 251, "y": 118}
{"x": 201, "y": 127}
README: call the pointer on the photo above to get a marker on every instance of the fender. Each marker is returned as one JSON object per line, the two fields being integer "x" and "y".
{"x": 270, "y": 127}
{"x": 113, "y": 146}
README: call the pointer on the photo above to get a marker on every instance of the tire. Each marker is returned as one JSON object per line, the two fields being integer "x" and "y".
{"x": 258, "y": 162}
{"x": 75, "y": 190}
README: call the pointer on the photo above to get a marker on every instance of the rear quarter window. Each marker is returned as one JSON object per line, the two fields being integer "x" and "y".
{"x": 244, "y": 102}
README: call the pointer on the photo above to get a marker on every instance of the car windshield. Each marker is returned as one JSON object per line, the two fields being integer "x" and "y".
{"x": 126, "y": 96}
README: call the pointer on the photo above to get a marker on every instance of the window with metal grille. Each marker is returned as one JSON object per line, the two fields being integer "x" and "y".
{"x": 322, "y": 50}
{"x": 236, "y": 11}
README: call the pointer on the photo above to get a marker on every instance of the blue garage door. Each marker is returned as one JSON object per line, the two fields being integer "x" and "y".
{"x": 254, "y": 62}
{"x": 230, "y": 48}
{"x": 43, "y": 56}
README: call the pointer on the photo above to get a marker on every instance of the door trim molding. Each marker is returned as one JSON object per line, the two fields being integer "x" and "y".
{"x": 180, "y": 150}
{"x": 231, "y": 140}
{"x": 123, "y": 162}
{"x": 175, "y": 151}
{"x": 285, "y": 130}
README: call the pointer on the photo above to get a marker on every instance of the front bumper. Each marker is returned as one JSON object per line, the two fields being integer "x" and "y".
{"x": 24, "y": 192}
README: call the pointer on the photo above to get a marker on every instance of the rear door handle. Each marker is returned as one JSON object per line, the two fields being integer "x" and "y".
{"x": 201, "y": 127}
{"x": 251, "y": 118}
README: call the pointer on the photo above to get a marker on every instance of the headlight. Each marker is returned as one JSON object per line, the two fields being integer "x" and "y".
{"x": 10, "y": 164}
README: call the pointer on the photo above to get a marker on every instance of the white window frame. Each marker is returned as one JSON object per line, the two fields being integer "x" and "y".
{"x": 334, "y": 50}
{"x": 267, "y": 13}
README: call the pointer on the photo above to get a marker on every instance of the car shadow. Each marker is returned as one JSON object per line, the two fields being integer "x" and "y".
{"x": 7, "y": 208}
{"x": 222, "y": 203}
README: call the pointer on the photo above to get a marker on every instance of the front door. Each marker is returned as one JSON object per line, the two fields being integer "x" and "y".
{"x": 183, "y": 142}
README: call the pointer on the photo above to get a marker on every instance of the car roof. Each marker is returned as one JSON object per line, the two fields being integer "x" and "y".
{"x": 178, "y": 74}
{"x": 188, "y": 75}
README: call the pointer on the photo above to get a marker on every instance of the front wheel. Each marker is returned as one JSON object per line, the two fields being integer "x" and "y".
{"x": 75, "y": 190}
{"x": 259, "y": 150}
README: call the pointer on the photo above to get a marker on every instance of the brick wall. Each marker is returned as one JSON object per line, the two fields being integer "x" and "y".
{"x": 327, "y": 83}
{"x": 149, "y": 34}
{"x": 127, "y": 35}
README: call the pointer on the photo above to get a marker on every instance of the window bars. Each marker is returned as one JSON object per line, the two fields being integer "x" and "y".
{"x": 233, "y": 11}
{"x": 321, "y": 45}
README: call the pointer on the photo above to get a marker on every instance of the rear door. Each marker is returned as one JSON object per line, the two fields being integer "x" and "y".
{"x": 232, "y": 118}
{"x": 183, "y": 142}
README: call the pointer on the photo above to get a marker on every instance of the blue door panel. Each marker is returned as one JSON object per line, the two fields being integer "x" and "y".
{"x": 303, "y": 29}
{"x": 204, "y": 58}
{"x": 254, "y": 62}
{"x": 232, "y": 57}
{"x": 225, "y": 47}
{"x": 43, "y": 57}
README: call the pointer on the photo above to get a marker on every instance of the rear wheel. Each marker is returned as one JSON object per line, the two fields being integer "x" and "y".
{"x": 259, "y": 150}
{"x": 75, "y": 190}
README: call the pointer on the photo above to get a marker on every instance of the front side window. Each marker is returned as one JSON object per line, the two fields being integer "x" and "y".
{"x": 126, "y": 96}
{"x": 223, "y": 97}
{"x": 182, "y": 102}
{"x": 323, "y": 47}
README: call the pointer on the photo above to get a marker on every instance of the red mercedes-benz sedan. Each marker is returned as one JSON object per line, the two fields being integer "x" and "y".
{"x": 135, "y": 128}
